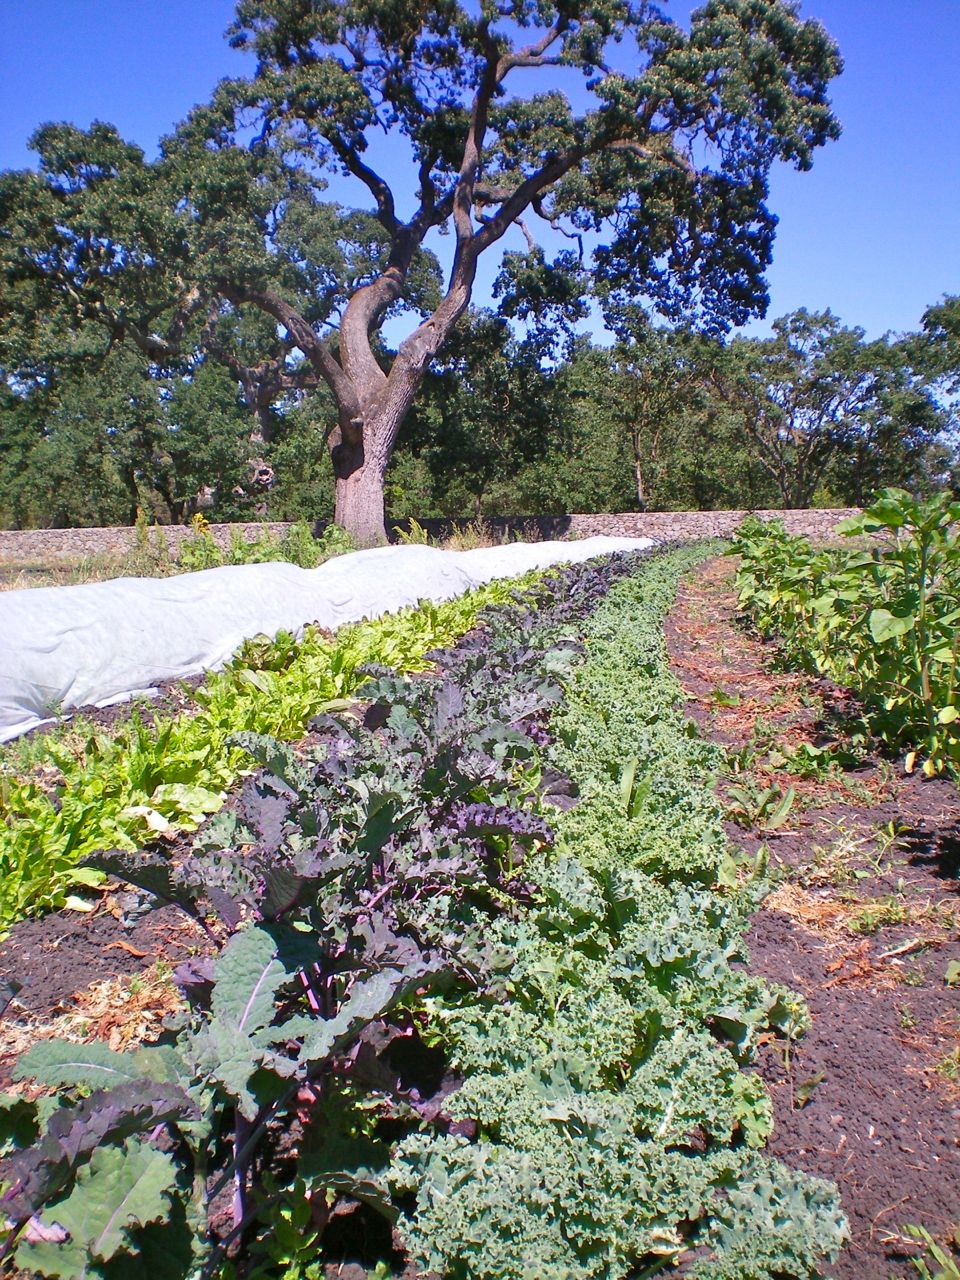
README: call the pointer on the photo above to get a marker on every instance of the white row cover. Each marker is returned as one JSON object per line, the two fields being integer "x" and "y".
{"x": 66, "y": 647}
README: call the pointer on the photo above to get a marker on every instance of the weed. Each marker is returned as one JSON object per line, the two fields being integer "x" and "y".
{"x": 763, "y": 809}
{"x": 879, "y": 914}
{"x": 906, "y": 1018}
{"x": 468, "y": 537}
{"x": 720, "y": 698}
{"x": 917, "y": 977}
{"x": 943, "y": 1257}
{"x": 834, "y": 864}
{"x": 413, "y": 536}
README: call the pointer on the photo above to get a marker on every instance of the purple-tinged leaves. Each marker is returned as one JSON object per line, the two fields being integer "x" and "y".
{"x": 73, "y": 1133}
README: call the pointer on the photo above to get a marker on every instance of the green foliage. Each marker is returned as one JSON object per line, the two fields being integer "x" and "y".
{"x": 605, "y": 1105}
{"x": 938, "y": 348}
{"x": 486, "y": 409}
{"x": 617, "y": 728}
{"x": 296, "y": 546}
{"x": 818, "y": 404}
{"x": 152, "y": 775}
{"x": 290, "y": 1248}
{"x": 772, "y": 1221}
{"x": 766, "y": 807}
{"x": 94, "y": 433}
{"x": 350, "y": 918}
{"x": 883, "y": 620}
{"x": 120, "y": 1190}
{"x": 934, "y": 1255}
{"x": 413, "y": 536}
{"x": 593, "y": 1015}
{"x": 647, "y": 413}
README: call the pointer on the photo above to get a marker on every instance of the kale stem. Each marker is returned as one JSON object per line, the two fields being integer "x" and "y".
{"x": 241, "y": 1132}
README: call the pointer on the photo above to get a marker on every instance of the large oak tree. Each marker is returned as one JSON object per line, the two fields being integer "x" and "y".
{"x": 601, "y": 118}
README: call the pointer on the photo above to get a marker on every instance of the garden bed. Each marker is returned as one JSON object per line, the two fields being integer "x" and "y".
{"x": 642, "y": 819}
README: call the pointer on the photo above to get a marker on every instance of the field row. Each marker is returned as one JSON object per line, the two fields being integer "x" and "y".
{"x": 473, "y": 974}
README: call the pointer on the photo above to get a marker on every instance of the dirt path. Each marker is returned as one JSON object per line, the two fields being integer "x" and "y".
{"x": 863, "y": 925}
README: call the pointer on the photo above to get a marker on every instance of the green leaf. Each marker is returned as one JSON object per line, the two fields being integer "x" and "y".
{"x": 152, "y": 817}
{"x": 627, "y": 775}
{"x": 186, "y": 798}
{"x": 248, "y": 974}
{"x": 885, "y": 625}
{"x": 947, "y": 715}
{"x": 952, "y": 975}
{"x": 235, "y": 1042}
{"x": 851, "y": 526}
{"x": 121, "y": 1188}
{"x": 263, "y": 681}
{"x": 18, "y": 1122}
{"x": 890, "y": 511}
{"x": 779, "y": 816}
{"x": 60, "y": 1064}
{"x": 806, "y": 1089}
{"x": 87, "y": 876}
{"x": 633, "y": 791}
{"x": 369, "y": 1000}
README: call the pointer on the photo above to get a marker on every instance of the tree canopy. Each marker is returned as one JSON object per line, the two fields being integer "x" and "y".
{"x": 816, "y": 394}
{"x": 604, "y": 119}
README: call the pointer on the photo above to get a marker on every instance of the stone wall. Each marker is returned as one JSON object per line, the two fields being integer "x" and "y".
{"x": 671, "y": 526}
{"x": 43, "y": 546}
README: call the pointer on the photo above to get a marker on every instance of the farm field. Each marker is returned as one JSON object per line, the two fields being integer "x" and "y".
{"x": 479, "y": 642}
{"x": 568, "y": 1023}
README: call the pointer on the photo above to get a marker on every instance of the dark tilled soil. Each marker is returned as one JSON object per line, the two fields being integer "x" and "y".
{"x": 58, "y": 955}
{"x": 863, "y": 926}
{"x": 49, "y": 966}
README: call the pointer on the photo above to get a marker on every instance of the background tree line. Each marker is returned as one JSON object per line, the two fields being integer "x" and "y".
{"x": 223, "y": 276}
{"x": 207, "y": 328}
{"x": 663, "y": 418}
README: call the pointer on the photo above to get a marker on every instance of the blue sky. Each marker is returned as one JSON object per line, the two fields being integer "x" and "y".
{"x": 872, "y": 232}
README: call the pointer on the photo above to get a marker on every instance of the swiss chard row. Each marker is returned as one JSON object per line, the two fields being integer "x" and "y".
{"x": 883, "y": 619}
{"x": 475, "y": 979}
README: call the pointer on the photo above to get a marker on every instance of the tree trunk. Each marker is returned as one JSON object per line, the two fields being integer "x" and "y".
{"x": 638, "y": 471}
{"x": 359, "y": 502}
{"x": 359, "y": 507}
{"x": 362, "y": 444}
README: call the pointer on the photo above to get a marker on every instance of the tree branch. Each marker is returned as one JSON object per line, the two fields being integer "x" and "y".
{"x": 302, "y": 333}
{"x": 463, "y": 193}
{"x": 541, "y": 212}
{"x": 532, "y": 54}
{"x": 377, "y": 186}
{"x": 667, "y": 156}
{"x": 531, "y": 243}
{"x": 512, "y": 208}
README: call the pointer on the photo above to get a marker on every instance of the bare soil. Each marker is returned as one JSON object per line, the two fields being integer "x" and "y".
{"x": 863, "y": 924}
